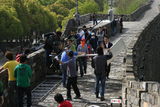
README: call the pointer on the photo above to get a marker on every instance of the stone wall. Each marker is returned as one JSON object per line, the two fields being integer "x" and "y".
{"x": 141, "y": 87}
{"x": 141, "y": 94}
{"x": 140, "y": 11}
{"x": 147, "y": 53}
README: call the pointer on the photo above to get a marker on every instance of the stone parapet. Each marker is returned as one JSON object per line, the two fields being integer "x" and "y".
{"x": 135, "y": 94}
{"x": 37, "y": 62}
{"x": 142, "y": 68}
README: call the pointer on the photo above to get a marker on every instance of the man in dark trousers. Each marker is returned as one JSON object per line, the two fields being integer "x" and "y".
{"x": 94, "y": 18}
{"x": 107, "y": 45}
{"x": 23, "y": 75}
{"x": 121, "y": 23}
{"x": 100, "y": 63}
{"x": 72, "y": 76}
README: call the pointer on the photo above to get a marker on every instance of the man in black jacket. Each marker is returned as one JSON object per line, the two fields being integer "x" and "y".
{"x": 100, "y": 63}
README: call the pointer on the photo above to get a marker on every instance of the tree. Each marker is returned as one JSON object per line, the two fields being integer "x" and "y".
{"x": 89, "y": 6}
{"x": 67, "y": 3}
{"x": 47, "y": 2}
{"x": 43, "y": 20}
{"x": 10, "y": 25}
{"x": 59, "y": 9}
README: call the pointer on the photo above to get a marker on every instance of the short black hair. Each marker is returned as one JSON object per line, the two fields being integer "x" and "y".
{"x": 70, "y": 54}
{"x": 23, "y": 58}
{"x": 9, "y": 55}
{"x": 106, "y": 37}
{"x": 59, "y": 98}
{"x": 27, "y": 51}
{"x": 100, "y": 50}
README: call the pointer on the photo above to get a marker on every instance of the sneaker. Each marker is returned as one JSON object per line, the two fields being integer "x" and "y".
{"x": 77, "y": 97}
{"x": 69, "y": 98}
{"x": 102, "y": 98}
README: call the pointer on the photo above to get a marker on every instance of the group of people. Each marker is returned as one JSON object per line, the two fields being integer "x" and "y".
{"x": 19, "y": 75}
{"x": 113, "y": 21}
{"x": 82, "y": 43}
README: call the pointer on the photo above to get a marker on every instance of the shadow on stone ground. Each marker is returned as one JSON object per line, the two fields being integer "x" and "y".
{"x": 86, "y": 86}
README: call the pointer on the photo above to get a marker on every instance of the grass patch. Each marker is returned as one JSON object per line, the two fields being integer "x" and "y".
{"x": 128, "y": 6}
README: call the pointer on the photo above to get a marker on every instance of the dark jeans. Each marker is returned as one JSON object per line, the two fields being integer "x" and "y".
{"x": 72, "y": 81}
{"x": 48, "y": 58}
{"x": 95, "y": 22}
{"x": 83, "y": 65}
{"x": 21, "y": 91}
{"x": 12, "y": 93}
{"x": 100, "y": 79}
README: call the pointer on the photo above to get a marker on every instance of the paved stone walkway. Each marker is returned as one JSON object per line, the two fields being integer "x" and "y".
{"x": 113, "y": 85}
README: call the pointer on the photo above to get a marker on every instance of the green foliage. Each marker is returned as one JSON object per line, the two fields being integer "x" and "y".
{"x": 128, "y": 6}
{"x": 10, "y": 25}
{"x": 20, "y": 18}
{"x": 66, "y": 19}
{"x": 67, "y": 3}
{"x": 105, "y": 7}
{"x": 59, "y": 9}
{"x": 41, "y": 18}
{"x": 100, "y": 4}
{"x": 23, "y": 16}
{"x": 88, "y": 7}
{"x": 47, "y": 2}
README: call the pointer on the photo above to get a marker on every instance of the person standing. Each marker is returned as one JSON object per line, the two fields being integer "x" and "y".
{"x": 10, "y": 66}
{"x": 83, "y": 60}
{"x": 71, "y": 45}
{"x": 48, "y": 46}
{"x": 94, "y": 18}
{"x": 60, "y": 100}
{"x": 100, "y": 35}
{"x": 93, "y": 42}
{"x": 100, "y": 63}
{"x": 72, "y": 76}
{"x": 121, "y": 23}
{"x": 23, "y": 75}
{"x": 107, "y": 45}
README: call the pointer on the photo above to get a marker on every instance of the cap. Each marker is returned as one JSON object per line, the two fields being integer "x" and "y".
{"x": 83, "y": 39}
{"x": 92, "y": 33}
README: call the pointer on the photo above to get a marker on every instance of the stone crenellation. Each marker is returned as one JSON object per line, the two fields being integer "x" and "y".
{"x": 142, "y": 88}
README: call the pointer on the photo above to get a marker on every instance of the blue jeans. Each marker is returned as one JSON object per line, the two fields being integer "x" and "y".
{"x": 100, "y": 80}
{"x": 64, "y": 74}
